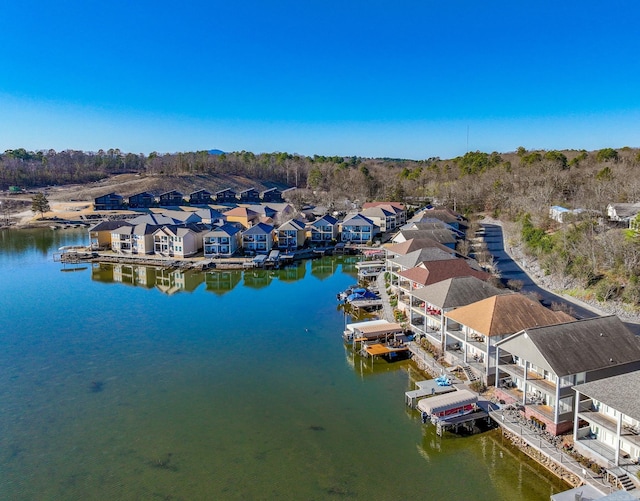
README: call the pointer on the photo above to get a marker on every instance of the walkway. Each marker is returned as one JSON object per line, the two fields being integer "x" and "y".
{"x": 387, "y": 310}
{"x": 533, "y": 438}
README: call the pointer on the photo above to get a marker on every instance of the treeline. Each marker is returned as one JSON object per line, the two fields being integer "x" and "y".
{"x": 43, "y": 168}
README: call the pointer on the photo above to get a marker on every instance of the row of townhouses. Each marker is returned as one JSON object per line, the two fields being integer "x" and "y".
{"x": 251, "y": 230}
{"x": 580, "y": 376}
{"x": 173, "y": 198}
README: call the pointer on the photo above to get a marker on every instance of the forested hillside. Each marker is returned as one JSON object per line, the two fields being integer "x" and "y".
{"x": 518, "y": 186}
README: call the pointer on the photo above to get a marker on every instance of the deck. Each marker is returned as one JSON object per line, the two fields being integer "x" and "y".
{"x": 375, "y": 350}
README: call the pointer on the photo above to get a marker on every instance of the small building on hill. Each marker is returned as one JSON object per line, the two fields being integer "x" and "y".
{"x": 110, "y": 201}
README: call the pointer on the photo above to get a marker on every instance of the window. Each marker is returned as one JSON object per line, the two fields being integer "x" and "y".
{"x": 566, "y": 405}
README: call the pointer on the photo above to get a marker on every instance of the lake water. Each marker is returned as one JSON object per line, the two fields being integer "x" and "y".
{"x": 213, "y": 386}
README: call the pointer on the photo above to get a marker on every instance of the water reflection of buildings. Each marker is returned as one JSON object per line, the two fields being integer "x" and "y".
{"x": 257, "y": 279}
{"x": 293, "y": 272}
{"x": 349, "y": 264}
{"x": 324, "y": 267}
{"x": 220, "y": 282}
{"x": 170, "y": 281}
{"x": 165, "y": 280}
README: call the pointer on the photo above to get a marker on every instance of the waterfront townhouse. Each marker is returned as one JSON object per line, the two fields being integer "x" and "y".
{"x": 266, "y": 213}
{"x": 607, "y": 422}
{"x": 473, "y": 331}
{"x": 100, "y": 234}
{"x": 393, "y": 250}
{"x": 246, "y": 217}
{"x": 110, "y": 201}
{"x": 121, "y": 239}
{"x": 538, "y": 366}
{"x": 170, "y": 199}
{"x": 271, "y": 195}
{"x": 276, "y": 211}
{"x": 430, "y": 303}
{"x": 324, "y": 230}
{"x": 141, "y": 200}
{"x": 258, "y": 239}
{"x": 210, "y": 216}
{"x": 158, "y": 219}
{"x": 397, "y": 208}
{"x": 249, "y": 196}
{"x": 200, "y": 197}
{"x": 358, "y": 229}
{"x": 178, "y": 241}
{"x": 226, "y": 196}
{"x": 431, "y": 272}
{"x": 136, "y": 239}
{"x": 223, "y": 241}
{"x": 291, "y": 235}
{"x": 382, "y": 217}
{"x": 446, "y": 216}
{"x": 441, "y": 235}
{"x": 398, "y": 263}
{"x": 182, "y": 217}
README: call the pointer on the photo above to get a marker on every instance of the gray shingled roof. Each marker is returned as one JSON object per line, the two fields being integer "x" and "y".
{"x": 620, "y": 392}
{"x": 439, "y": 235}
{"x": 109, "y": 225}
{"x": 586, "y": 345}
{"x": 145, "y": 229}
{"x": 626, "y": 210}
{"x": 422, "y": 255}
{"x": 458, "y": 291}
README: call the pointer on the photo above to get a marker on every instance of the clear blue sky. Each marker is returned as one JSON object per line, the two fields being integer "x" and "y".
{"x": 411, "y": 79}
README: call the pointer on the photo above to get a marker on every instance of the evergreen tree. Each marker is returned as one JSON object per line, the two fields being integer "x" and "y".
{"x": 39, "y": 203}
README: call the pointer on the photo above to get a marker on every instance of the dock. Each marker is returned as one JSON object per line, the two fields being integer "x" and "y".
{"x": 366, "y": 304}
{"x": 369, "y": 270}
{"x": 425, "y": 389}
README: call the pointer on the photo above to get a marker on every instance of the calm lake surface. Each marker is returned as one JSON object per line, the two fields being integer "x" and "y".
{"x": 213, "y": 386}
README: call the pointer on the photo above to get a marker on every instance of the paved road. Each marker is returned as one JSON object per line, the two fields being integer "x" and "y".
{"x": 510, "y": 270}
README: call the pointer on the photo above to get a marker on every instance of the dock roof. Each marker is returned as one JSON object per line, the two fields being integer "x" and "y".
{"x": 379, "y": 329}
{"x": 448, "y": 401}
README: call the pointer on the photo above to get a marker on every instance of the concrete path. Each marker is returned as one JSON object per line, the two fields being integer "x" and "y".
{"x": 387, "y": 310}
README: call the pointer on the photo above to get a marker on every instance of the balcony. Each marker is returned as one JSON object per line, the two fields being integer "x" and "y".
{"x": 545, "y": 411}
{"x": 595, "y": 417}
{"x": 512, "y": 369}
{"x": 537, "y": 381}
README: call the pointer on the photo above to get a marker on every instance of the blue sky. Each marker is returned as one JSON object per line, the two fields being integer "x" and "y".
{"x": 410, "y": 79}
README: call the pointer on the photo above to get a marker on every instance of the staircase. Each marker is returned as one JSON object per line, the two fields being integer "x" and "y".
{"x": 471, "y": 376}
{"x": 623, "y": 479}
{"x": 626, "y": 482}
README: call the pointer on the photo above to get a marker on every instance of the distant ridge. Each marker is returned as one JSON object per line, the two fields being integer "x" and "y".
{"x": 216, "y": 152}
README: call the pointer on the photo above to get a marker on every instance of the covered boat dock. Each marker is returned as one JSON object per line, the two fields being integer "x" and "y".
{"x": 452, "y": 410}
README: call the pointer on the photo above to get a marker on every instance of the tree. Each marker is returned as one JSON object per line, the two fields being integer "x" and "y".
{"x": 556, "y": 157}
{"x": 39, "y": 203}
{"x": 607, "y": 154}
